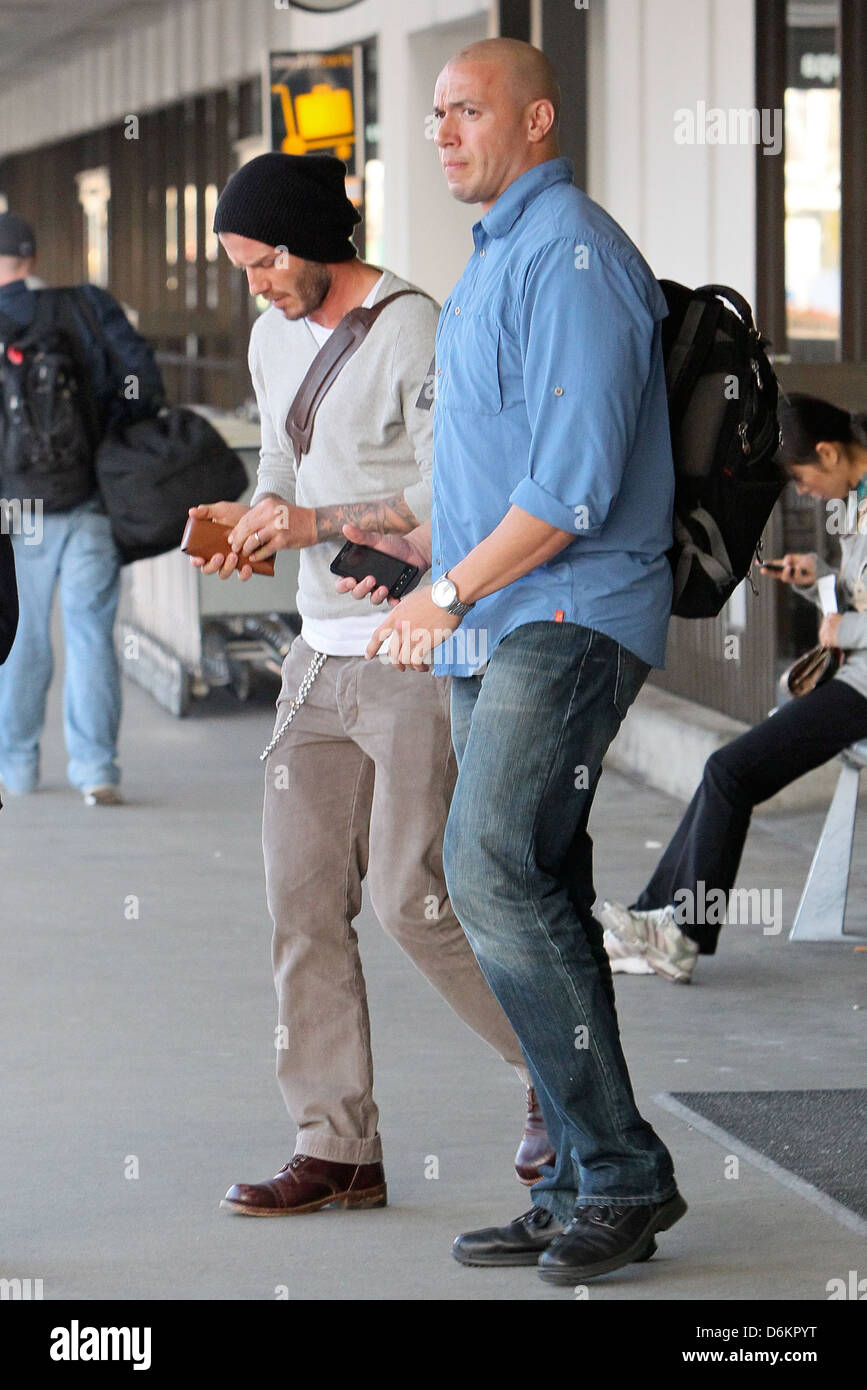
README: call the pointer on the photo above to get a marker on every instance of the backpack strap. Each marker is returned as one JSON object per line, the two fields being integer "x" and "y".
{"x": 737, "y": 301}
{"x": 57, "y": 308}
{"x": 688, "y": 352}
{"x": 327, "y": 365}
{"x": 79, "y": 297}
{"x": 715, "y": 561}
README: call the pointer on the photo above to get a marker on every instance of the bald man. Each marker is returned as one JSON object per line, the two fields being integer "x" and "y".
{"x": 553, "y": 494}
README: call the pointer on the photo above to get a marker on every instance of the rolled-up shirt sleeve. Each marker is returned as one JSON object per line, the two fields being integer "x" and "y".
{"x": 586, "y": 340}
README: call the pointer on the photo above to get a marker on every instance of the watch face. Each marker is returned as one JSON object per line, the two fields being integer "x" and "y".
{"x": 443, "y": 592}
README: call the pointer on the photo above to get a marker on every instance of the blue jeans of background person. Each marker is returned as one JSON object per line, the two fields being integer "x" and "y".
{"x": 530, "y": 735}
{"x": 77, "y": 555}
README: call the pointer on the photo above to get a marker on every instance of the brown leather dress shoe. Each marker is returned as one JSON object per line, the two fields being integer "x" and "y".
{"x": 308, "y": 1184}
{"x": 535, "y": 1147}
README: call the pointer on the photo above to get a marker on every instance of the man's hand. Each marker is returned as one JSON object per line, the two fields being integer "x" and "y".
{"x": 227, "y": 514}
{"x": 796, "y": 569}
{"x": 828, "y": 630}
{"x": 257, "y": 532}
{"x": 413, "y": 629}
{"x": 413, "y": 549}
{"x": 273, "y": 524}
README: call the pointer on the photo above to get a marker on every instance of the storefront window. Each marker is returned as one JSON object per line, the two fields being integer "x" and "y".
{"x": 94, "y": 192}
{"x": 171, "y": 236}
{"x": 812, "y": 124}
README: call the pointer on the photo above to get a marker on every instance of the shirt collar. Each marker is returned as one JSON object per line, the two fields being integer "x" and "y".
{"x": 501, "y": 218}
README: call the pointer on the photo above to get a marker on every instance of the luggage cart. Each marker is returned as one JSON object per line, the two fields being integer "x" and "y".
{"x": 179, "y": 633}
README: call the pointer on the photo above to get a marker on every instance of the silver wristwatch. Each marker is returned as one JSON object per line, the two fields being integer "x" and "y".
{"x": 445, "y": 595}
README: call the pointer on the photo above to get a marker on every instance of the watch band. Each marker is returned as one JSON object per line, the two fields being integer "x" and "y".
{"x": 459, "y": 609}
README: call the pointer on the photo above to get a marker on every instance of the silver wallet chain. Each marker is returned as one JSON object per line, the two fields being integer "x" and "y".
{"x": 319, "y": 660}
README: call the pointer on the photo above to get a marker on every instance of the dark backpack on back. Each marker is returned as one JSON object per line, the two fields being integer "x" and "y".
{"x": 722, "y": 401}
{"x": 48, "y": 417}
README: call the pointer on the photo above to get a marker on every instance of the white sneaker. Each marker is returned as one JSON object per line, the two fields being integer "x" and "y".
{"x": 653, "y": 936}
{"x": 622, "y": 959}
{"x": 107, "y": 795}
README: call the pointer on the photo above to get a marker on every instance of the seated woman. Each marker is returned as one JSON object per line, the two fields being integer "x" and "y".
{"x": 824, "y": 451}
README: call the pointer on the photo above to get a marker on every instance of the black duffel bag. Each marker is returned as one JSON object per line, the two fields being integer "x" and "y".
{"x": 150, "y": 473}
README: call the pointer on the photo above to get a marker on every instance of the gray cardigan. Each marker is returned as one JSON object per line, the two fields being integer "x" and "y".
{"x": 852, "y": 600}
{"x": 373, "y": 436}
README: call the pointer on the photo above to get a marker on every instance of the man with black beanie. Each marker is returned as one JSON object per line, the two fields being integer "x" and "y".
{"x": 358, "y": 785}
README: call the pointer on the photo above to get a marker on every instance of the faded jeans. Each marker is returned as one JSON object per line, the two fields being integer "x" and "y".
{"x": 530, "y": 735}
{"x": 77, "y": 555}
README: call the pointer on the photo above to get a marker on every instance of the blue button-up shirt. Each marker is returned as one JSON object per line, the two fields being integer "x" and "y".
{"x": 550, "y": 395}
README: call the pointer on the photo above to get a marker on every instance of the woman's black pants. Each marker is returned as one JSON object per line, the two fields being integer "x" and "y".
{"x": 708, "y": 844}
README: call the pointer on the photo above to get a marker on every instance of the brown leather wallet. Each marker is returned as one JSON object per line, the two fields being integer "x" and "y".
{"x": 207, "y": 538}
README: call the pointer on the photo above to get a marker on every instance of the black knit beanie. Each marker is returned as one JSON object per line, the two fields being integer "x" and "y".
{"x": 294, "y": 200}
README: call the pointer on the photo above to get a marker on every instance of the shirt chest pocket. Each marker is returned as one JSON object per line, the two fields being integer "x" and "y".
{"x": 470, "y": 380}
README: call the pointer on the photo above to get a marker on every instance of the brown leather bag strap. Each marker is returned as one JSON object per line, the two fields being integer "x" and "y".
{"x": 327, "y": 365}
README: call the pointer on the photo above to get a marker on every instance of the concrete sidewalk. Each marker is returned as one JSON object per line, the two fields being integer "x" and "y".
{"x": 145, "y": 1043}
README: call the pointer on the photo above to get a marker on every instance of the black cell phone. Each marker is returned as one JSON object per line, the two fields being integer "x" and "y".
{"x": 776, "y": 565}
{"x": 358, "y": 561}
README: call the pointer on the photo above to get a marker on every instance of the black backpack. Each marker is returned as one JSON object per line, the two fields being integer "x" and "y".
{"x": 49, "y": 422}
{"x": 722, "y": 402}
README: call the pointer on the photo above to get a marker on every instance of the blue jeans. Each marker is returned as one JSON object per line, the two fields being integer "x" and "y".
{"x": 530, "y": 735}
{"x": 77, "y": 554}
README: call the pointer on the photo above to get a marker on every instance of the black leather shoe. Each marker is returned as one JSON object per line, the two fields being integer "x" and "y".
{"x": 519, "y": 1243}
{"x": 601, "y": 1239}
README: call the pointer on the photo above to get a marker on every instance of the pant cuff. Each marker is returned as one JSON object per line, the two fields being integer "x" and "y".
{"x": 20, "y": 778}
{"x": 560, "y": 1205}
{"x": 613, "y": 1200}
{"x": 108, "y": 778}
{"x": 333, "y": 1149}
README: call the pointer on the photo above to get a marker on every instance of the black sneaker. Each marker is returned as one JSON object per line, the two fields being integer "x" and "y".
{"x": 519, "y": 1243}
{"x": 601, "y": 1239}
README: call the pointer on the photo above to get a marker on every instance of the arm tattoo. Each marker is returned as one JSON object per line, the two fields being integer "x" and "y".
{"x": 391, "y": 514}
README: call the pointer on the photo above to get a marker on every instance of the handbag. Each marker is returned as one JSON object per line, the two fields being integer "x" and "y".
{"x": 811, "y": 670}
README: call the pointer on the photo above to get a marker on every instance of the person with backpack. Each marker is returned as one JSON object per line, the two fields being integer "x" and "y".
{"x": 552, "y": 518}
{"x": 824, "y": 452}
{"x": 70, "y": 365}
